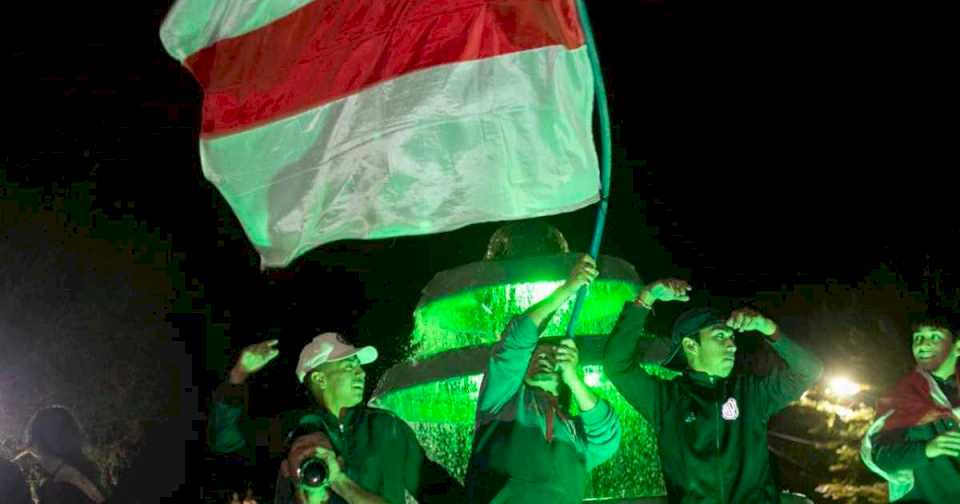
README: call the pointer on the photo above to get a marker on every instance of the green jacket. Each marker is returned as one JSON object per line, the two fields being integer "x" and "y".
{"x": 512, "y": 461}
{"x": 711, "y": 433}
{"x": 380, "y": 451}
{"x": 933, "y": 480}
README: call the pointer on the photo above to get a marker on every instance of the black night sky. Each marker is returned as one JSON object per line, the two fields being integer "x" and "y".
{"x": 755, "y": 152}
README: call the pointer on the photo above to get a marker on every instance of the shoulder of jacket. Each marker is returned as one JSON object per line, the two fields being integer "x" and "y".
{"x": 380, "y": 414}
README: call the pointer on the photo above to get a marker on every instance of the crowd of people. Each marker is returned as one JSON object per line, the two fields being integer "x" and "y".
{"x": 710, "y": 423}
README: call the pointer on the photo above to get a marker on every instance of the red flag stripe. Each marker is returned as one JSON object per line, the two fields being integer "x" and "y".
{"x": 329, "y": 49}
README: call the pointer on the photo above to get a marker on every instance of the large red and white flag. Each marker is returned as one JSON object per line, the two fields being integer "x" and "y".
{"x": 326, "y": 120}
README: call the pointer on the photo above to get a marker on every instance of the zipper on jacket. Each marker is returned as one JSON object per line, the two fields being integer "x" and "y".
{"x": 345, "y": 444}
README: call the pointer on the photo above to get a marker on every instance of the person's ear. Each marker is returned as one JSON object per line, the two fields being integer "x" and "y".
{"x": 690, "y": 346}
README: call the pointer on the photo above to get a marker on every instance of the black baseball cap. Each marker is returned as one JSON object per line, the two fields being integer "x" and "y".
{"x": 688, "y": 324}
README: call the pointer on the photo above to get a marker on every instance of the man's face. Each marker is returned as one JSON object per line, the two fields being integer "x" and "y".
{"x": 542, "y": 371}
{"x": 344, "y": 381}
{"x": 716, "y": 351}
{"x": 932, "y": 346}
{"x": 303, "y": 448}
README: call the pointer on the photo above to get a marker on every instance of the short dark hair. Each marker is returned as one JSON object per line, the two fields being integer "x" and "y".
{"x": 936, "y": 319}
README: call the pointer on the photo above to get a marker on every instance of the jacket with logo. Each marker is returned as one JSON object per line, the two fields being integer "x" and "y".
{"x": 711, "y": 432}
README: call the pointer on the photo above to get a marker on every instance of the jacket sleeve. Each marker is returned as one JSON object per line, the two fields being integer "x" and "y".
{"x": 508, "y": 364}
{"x": 892, "y": 451}
{"x": 784, "y": 386}
{"x": 230, "y": 430}
{"x": 602, "y": 429}
{"x": 621, "y": 364}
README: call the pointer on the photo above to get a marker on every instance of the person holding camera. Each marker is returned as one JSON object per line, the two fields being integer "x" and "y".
{"x": 527, "y": 447}
{"x": 915, "y": 442}
{"x": 311, "y": 470}
{"x": 371, "y": 454}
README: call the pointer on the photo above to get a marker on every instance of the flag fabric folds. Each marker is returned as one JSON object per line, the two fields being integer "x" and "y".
{"x": 327, "y": 120}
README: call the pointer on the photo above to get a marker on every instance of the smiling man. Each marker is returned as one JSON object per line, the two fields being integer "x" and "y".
{"x": 711, "y": 424}
{"x": 915, "y": 442}
{"x": 372, "y": 455}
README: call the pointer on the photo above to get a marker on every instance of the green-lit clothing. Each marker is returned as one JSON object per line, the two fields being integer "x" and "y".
{"x": 380, "y": 451}
{"x": 512, "y": 460}
{"x": 934, "y": 480}
{"x": 711, "y": 432}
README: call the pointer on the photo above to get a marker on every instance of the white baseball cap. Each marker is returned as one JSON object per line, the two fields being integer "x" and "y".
{"x": 330, "y": 347}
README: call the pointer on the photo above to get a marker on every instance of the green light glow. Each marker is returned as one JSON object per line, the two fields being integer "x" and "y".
{"x": 442, "y": 414}
{"x": 478, "y": 316}
{"x": 453, "y": 401}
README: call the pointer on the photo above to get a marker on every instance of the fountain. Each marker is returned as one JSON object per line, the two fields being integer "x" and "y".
{"x": 461, "y": 314}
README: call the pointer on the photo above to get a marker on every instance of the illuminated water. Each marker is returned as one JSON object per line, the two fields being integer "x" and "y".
{"x": 478, "y": 316}
{"x": 442, "y": 412}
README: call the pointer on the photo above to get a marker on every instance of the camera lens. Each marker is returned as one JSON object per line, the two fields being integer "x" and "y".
{"x": 313, "y": 472}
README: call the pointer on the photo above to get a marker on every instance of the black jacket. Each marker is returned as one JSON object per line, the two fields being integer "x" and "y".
{"x": 711, "y": 432}
{"x": 380, "y": 451}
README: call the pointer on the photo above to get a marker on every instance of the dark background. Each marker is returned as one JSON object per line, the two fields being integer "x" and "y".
{"x": 756, "y": 151}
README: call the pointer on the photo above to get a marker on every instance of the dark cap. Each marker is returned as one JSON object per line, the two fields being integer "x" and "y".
{"x": 689, "y": 324}
{"x": 309, "y": 424}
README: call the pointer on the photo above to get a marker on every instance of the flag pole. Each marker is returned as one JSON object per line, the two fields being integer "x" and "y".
{"x": 603, "y": 113}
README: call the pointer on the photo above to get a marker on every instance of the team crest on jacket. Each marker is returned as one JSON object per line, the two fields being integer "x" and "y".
{"x": 730, "y": 411}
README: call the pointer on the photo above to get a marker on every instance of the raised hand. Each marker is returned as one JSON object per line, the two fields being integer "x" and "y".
{"x": 946, "y": 444}
{"x": 667, "y": 289}
{"x": 584, "y": 272}
{"x": 567, "y": 357}
{"x": 252, "y": 359}
{"x": 745, "y": 319}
